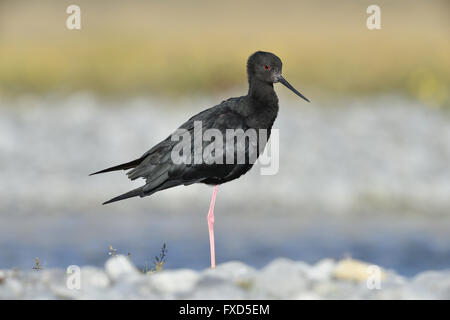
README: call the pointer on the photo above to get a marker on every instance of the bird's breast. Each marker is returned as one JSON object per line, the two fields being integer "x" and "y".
{"x": 263, "y": 117}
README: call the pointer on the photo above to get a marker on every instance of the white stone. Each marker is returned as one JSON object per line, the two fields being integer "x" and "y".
{"x": 174, "y": 282}
{"x": 119, "y": 267}
{"x": 322, "y": 270}
{"x": 94, "y": 277}
{"x": 282, "y": 279}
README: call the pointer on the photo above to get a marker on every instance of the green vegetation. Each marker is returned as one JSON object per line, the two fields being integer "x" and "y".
{"x": 158, "y": 263}
{"x": 112, "y": 251}
{"x": 178, "y": 48}
{"x": 37, "y": 264}
{"x": 161, "y": 259}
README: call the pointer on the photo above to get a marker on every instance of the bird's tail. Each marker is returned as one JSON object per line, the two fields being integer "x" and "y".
{"x": 129, "y": 194}
{"x": 123, "y": 166}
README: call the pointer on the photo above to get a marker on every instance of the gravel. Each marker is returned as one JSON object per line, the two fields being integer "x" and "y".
{"x": 281, "y": 279}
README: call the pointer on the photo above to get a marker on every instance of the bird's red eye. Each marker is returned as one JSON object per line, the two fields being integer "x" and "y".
{"x": 266, "y": 67}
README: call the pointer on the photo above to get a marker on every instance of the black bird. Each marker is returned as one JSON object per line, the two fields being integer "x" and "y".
{"x": 255, "y": 111}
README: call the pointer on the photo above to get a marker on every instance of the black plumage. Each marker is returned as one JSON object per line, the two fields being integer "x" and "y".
{"x": 256, "y": 110}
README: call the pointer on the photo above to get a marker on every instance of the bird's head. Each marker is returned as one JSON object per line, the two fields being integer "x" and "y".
{"x": 266, "y": 67}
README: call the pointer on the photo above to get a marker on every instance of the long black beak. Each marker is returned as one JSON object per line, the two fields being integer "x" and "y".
{"x": 288, "y": 85}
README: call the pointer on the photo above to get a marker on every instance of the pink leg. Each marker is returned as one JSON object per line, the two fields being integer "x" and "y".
{"x": 210, "y": 219}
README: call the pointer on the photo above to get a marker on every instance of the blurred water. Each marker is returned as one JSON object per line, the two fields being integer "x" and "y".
{"x": 368, "y": 178}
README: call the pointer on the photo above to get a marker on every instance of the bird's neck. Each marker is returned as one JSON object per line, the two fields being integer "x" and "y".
{"x": 262, "y": 91}
{"x": 263, "y": 104}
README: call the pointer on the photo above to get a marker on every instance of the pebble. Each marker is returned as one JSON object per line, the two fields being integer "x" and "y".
{"x": 280, "y": 279}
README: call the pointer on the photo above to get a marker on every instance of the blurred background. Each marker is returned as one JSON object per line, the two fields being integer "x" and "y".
{"x": 364, "y": 169}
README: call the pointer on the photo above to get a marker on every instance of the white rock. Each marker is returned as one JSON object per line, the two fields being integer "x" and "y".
{"x": 281, "y": 279}
{"x": 212, "y": 289}
{"x": 322, "y": 270}
{"x": 13, "y": 289}
{"x": 94, "y": 277}
{"x": 431, "y": 285}
{"x": 119, "y": 267}
{"x": 307, "y": 296}
{"x": 174, "y": 282}
{"x": 232, "y": 270}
